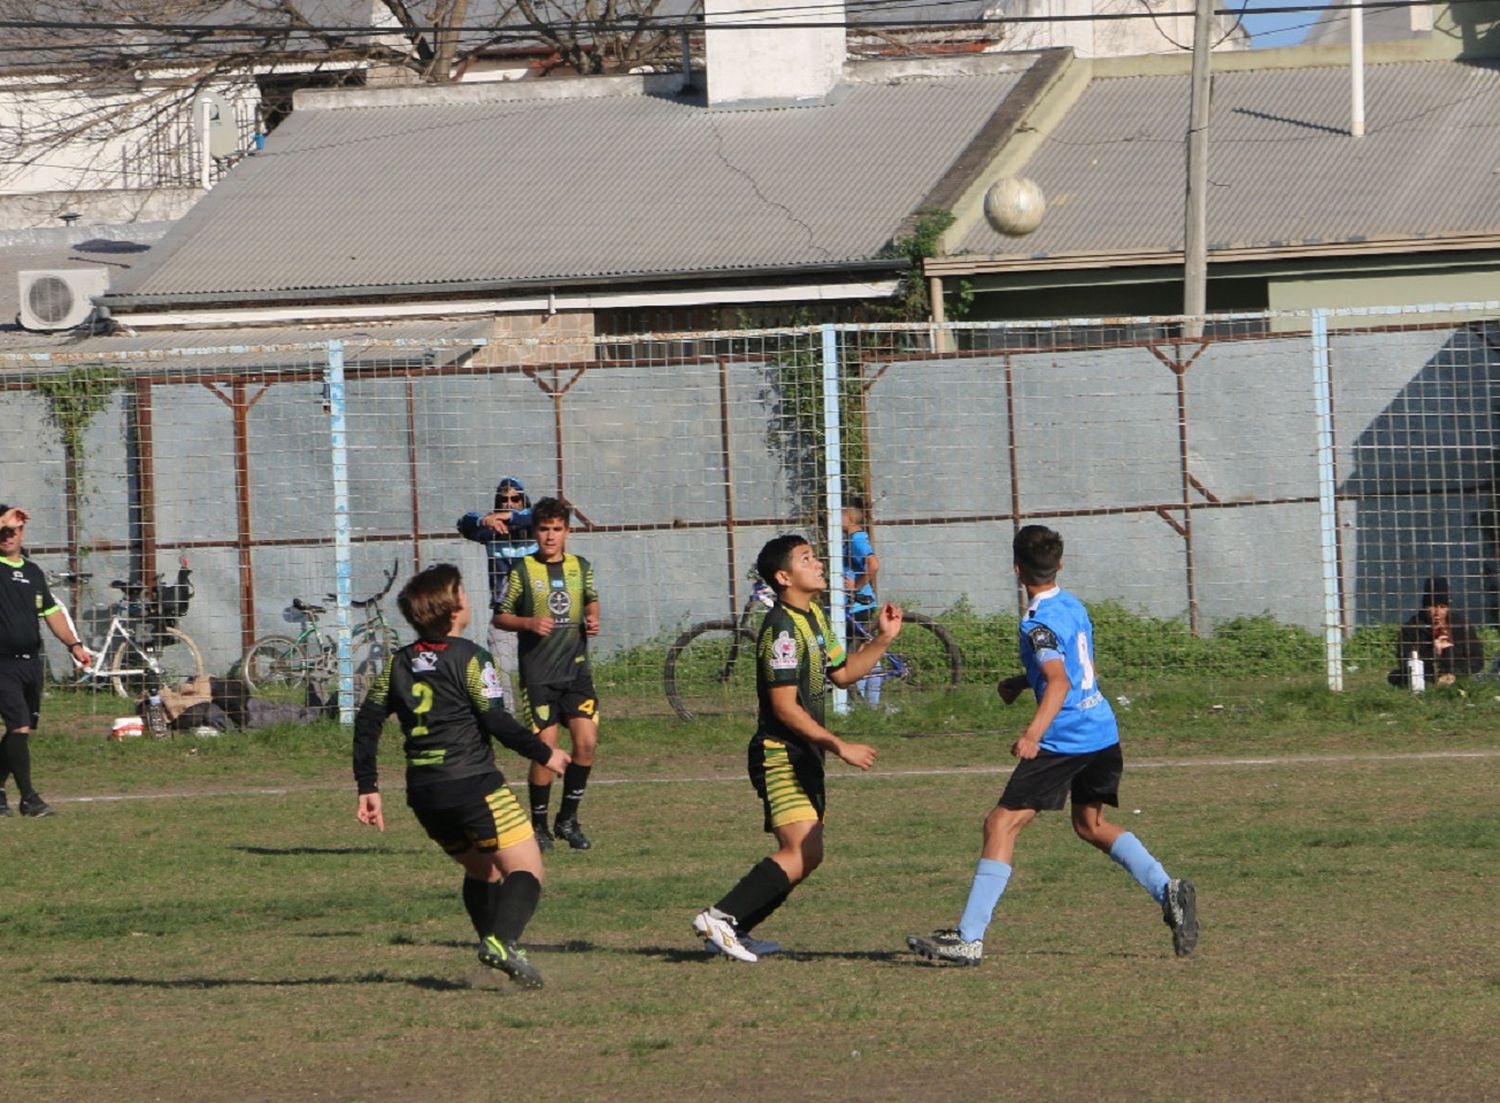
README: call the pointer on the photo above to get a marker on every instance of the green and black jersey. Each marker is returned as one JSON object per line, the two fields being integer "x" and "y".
{"x": 561, "y": 590}
{"x": 795, "y": 648}
{"x": 447, "y": 696}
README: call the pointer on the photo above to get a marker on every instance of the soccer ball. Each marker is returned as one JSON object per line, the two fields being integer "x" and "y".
{"x": 1014, "y": 205}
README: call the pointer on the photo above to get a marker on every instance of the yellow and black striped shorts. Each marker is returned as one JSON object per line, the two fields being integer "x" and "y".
{"x": 493, "y": 821}
{"x": 789, "y": 779}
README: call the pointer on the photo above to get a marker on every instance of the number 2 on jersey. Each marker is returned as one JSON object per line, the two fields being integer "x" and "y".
{"x": 423, "y": 693}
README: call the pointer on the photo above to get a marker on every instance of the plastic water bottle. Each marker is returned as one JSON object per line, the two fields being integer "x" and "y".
{"x": 1415, "y": 675}
{"x": 156, "y": 717}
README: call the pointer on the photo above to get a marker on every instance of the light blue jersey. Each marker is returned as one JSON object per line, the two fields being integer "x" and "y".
{"x": 857, "y": 551}
{"x": 1057, "y": 626}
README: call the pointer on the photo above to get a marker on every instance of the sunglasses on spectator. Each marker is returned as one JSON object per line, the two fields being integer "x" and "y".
{"x": 512, "y": 498}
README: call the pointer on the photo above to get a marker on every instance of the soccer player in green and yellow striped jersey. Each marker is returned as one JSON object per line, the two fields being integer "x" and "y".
{"x": 551, "y": 601}
{"x": 797, "y": 659}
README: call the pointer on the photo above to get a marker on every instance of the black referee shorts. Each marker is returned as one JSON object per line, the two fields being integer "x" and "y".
{"x": 20, "y": 691}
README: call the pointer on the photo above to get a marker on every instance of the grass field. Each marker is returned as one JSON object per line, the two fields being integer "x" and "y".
{"x": 227, "y": 931}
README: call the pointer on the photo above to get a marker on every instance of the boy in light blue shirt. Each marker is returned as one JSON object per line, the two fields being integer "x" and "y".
{"x": 1070, "y": 749}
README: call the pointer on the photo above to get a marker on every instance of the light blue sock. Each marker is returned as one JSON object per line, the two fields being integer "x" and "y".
{"x": 1138, "y": 862}
{"x": 990, "y": 879}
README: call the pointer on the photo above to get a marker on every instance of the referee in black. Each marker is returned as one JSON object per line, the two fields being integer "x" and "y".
{"x": 24, "y": 600}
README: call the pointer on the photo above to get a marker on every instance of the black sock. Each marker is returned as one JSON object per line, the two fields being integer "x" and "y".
{"x": 477, "y": 902}
{"x": 759, "y": 893}
{"x": 16, "y": 747}
{"x": 515, "y": 905}
{"x": 575, "y": 781}
{"x": 756, "y": 918}
{"x": 541, "y": 796}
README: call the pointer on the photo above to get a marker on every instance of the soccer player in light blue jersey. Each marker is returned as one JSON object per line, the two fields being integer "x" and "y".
{"x": 1070, "y": 749}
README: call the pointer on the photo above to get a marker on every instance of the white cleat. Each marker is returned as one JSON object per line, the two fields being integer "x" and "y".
{"x": 719, "y": 933}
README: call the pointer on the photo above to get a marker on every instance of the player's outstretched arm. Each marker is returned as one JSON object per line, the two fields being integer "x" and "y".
{"x": 887, "y": 627}
{"x": 791, "y": 713}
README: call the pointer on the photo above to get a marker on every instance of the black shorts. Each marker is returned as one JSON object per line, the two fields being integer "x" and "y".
{"x": 1048, "y": 780}
{"x": 20, "y": 692}
{"x": 479, "y": 812}
{"x": 550, "y": 703}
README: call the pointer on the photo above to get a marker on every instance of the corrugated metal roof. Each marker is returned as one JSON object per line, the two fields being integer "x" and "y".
{"x": 1281, "y": 166}
{"x": 416, "y": 196}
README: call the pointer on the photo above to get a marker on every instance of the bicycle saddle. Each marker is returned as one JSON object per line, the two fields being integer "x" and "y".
{"x": 365, "y": 603}
{"x": 303, "y": 607}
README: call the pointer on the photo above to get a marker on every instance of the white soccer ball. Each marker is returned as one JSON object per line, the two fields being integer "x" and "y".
{"x": 1014, "y": 205}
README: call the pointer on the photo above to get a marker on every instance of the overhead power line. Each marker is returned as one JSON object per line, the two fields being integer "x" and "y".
{"x": 755, "y": 21}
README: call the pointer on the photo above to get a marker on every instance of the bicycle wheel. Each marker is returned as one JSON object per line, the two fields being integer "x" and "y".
{"x": 178, "y": 659}
{"x": 710, "y": 669}
{"x": 273, "y": 662}
{"x": 924, "y": 660}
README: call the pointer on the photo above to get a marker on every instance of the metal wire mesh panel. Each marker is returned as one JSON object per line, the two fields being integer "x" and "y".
{"x": 1272, "y": 501}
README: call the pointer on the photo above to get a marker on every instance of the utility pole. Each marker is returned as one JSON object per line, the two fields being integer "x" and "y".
{"x": 1195, "y": 232}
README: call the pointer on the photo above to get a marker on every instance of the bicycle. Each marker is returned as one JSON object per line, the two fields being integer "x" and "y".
{"x": 703, "y": 672}
{"x": 281, "y": 663}
{"x": 143, "y": 649}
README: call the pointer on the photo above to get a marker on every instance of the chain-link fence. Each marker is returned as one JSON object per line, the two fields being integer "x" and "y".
{"x": 1271, "y": 501}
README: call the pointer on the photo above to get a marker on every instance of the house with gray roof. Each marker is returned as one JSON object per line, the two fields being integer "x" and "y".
{"x": 585, "y": 197}
{"x": 598, "y": 204}
{"x": 1301, "y": 213}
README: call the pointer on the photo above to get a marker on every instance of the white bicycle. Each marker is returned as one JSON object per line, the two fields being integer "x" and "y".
{"x": 143, "y": 649}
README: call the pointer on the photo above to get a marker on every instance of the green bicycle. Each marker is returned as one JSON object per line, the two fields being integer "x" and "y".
{"x": 281, "y": 667}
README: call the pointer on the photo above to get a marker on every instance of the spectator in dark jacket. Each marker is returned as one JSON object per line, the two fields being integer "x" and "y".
{"x": 1441, "y": 638}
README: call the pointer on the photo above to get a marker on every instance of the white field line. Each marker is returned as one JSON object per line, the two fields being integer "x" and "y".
{"x": 937, "y": 771}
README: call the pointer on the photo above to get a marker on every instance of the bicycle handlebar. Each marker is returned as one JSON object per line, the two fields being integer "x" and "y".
{"x": 359, "y": 603}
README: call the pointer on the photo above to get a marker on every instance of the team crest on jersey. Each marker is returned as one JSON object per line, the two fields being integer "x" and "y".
{"x": 424, "y": 662}
{"x": 1042, "y": 639}
{"x": 559, "y": 603}
{"x": 784, "y": 652}
{"x": 489, "y": 678}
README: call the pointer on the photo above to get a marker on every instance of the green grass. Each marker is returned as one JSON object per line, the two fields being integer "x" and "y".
{"x": 200, "y": 945}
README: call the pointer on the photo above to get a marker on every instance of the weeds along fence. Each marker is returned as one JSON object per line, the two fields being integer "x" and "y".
{"x": 1264, "y": 502}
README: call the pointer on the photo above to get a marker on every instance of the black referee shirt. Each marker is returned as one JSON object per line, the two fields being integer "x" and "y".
{"x": 24, "y": 597}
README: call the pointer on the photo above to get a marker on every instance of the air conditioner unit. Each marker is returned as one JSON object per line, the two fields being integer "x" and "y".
{"x": 60, "y": 299}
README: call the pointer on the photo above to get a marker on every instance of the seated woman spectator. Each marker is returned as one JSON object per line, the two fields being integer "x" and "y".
{"x": 1441, "y": 638}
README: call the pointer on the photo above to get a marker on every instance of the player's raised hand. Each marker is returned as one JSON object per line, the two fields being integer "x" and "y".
{"x": 369, "y": 810}
{"x": 857, "y": 754}
{"x": 890, "y": 620}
